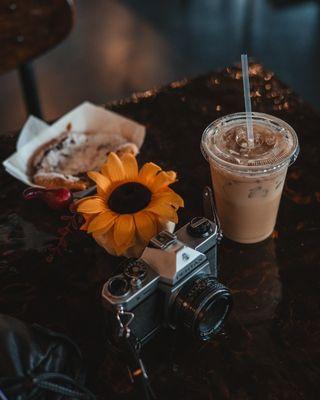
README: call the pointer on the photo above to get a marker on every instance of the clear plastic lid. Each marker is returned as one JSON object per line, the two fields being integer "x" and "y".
{"x": 225, "y": 141}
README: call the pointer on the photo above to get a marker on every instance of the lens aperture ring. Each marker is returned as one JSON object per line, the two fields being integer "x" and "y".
{"x": 193, "y": 294}
{"x": 196, "y": 298}
{"x": 202, "y": 284}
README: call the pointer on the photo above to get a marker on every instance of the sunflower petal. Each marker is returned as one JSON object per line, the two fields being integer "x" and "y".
{"x": 87, "y": 218}
{"x": 103, "y": 183}
{"x": 130, "y": 166}
{"x": 148, "y": 172}
{"x": 124, "y": 229}
{"x": 78, "y": 202}
{"x": 170, "y": 197}
{"x": 103, "y": 222}
{"x": 113, "y": 168}
{"x": 91, "y": 205}
{"x": 104, "y": 170}
{"x": 106, "y": 240}
{"x": 146, "y": 225}
{"x": 162, "y": 180}
{"x": 163, "y": 210}
{"x": 120, "y": 250}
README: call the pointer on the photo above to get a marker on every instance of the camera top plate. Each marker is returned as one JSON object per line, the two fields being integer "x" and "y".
{"x": 163, "y": 240}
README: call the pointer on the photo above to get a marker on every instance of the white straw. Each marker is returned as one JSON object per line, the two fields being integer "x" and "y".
{"x": 247, "y": 100}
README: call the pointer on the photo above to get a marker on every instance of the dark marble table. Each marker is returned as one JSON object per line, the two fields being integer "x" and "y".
{"x": 270, "y": 348}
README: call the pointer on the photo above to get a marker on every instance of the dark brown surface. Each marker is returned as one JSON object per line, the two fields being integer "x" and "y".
{"x": 28, "y": 28}
{"x": 270, "y": 349}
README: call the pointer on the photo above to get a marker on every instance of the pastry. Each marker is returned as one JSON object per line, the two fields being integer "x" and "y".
{"x": 63, "y": 162}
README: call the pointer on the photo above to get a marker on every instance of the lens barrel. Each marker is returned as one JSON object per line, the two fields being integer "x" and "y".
{"x": 202, "y": 305}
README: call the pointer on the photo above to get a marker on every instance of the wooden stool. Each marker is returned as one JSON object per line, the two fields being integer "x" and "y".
{"x": 29, "y": 28}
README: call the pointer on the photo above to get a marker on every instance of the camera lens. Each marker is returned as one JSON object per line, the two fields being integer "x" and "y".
{"x": 202, "y": 305}
{"x": 118, "y": 286}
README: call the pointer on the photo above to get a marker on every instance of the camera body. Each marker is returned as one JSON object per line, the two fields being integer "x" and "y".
{"x": 173, "y": 284}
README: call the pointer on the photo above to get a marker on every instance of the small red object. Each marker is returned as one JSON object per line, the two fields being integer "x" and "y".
{"x": 56, "y": 199}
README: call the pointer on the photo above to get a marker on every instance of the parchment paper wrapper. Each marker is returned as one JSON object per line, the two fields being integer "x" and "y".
{"x": 86, "y": 116}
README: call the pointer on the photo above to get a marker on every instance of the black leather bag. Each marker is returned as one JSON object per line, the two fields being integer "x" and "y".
{"x": 37, "y": 363}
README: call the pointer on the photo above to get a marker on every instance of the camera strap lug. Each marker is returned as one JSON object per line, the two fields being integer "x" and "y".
{"x": 141, "y": 371}
{"x": 124, "y": 319}
{"x": 131, "y": 347}
{"x": 210, "y": 210}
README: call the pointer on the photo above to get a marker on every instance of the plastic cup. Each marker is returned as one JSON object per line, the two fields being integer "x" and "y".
{"x": 248, "y": 182}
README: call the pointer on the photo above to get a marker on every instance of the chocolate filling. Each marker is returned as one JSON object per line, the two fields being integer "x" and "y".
{"x": 129, "y": 198}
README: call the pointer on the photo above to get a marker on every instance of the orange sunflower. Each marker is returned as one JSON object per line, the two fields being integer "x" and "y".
{"x": 130, "y": 206}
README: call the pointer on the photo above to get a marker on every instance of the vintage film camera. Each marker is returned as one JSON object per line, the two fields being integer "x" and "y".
{"x": 173, "y": 284}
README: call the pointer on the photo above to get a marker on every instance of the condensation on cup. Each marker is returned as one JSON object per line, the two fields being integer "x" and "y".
{"x": 248, "y": 182}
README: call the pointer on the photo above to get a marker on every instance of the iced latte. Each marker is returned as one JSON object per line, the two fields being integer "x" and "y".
{"x": 248, "y": 181}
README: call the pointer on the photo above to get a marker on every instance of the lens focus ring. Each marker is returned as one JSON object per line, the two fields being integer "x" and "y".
{"x": 202, "y": 305}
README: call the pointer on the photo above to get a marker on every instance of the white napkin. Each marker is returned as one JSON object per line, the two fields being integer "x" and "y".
{"x": 86, "y": 116}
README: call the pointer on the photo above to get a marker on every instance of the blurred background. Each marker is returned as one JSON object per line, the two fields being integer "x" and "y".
{"x": 117, "y": 47}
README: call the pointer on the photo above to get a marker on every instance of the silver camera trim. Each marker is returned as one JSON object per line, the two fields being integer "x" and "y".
{"x": 135, "y": 294}
{"x": 170, "y": 264}
{"x": 171, "y": 239}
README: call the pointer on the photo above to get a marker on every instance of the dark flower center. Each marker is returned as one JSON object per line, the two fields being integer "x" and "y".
{"x": 129, "y": 198}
